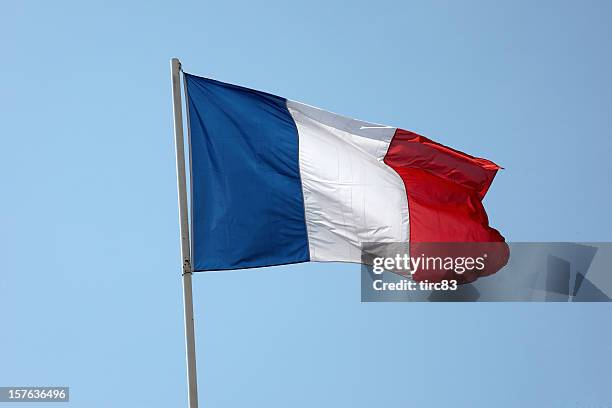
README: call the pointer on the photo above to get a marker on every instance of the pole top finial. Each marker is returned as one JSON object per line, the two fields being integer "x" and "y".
{"x": 176, "y": 62}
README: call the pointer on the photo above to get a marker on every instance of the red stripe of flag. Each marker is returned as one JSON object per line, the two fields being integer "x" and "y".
{"x": 445, "y": 188}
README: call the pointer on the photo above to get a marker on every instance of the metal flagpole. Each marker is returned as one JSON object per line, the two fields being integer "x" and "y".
{"x": 192, "y": 384}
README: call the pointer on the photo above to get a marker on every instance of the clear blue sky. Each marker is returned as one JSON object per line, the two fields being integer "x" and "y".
{"x": 90, "y": 290}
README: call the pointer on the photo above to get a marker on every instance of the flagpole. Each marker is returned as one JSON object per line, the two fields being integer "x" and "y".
{"x": 192, "y": 384}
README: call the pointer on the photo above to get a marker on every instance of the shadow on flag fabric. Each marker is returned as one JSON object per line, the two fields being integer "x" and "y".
{"x": 275, "y": 181}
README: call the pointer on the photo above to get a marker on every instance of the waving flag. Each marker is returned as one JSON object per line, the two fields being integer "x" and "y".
{"x": 276, "y": 181}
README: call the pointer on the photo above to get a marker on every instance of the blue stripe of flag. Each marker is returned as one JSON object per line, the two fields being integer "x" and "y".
{"x": 247, "y": 203}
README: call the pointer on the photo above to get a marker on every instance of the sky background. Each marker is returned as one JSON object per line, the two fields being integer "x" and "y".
{"x": 90, "y": 284}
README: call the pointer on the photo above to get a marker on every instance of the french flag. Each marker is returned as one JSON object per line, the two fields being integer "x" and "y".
{"x": 275, "y": 181}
